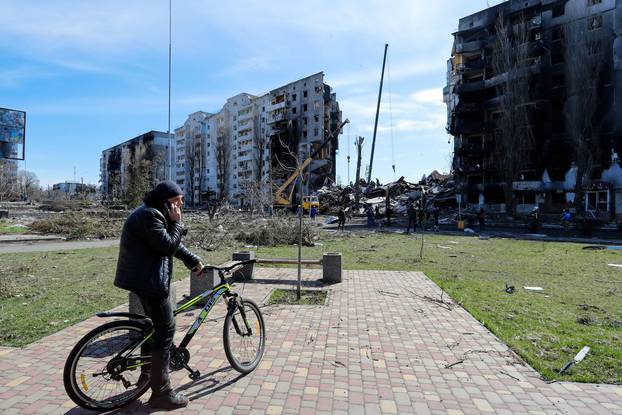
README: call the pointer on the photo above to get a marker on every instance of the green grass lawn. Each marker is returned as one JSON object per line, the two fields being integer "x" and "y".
{"x": 8, "y": 228}
{"x": 41, "y": 293}
{"x": 581, "y": 304}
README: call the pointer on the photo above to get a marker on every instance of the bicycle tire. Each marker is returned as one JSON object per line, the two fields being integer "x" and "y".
{"x": 76, "y": 385}
{"x": 249, "y": 359}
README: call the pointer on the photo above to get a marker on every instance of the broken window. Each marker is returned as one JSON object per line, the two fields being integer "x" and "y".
{"x": 597, "y": 200}
{"x": 594, "y": 22}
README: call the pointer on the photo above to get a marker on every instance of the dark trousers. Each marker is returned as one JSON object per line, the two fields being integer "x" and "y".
{"x": 341, "y": 224}
{"x": 161, "y": 314}
{"x": 413, "y": 222}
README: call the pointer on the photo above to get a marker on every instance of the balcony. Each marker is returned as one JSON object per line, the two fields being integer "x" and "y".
{"x": 472, "y": 46}
{"x": 277, "y": 106}
{"x": 276, "y": 116}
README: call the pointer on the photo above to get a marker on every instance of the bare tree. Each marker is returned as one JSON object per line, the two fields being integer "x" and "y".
{"x": 194, "y": 164}
{"x": 584, "y": 58}
{"x": 8, "y": 182}
{"x": 514, "y": 136}
{"x": 28, "y": 185}
{"x": 223, "y": 152}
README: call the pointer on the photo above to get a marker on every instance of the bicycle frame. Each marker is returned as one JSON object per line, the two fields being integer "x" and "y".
{"x": 214, "y": 295}
{"x": 212, "y": 298}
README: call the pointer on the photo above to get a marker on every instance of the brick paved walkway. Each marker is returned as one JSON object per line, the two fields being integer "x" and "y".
{"x": 367, "y": 351}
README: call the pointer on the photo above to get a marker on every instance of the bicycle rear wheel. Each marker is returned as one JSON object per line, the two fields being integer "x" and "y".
{"x": 244, "y": 336}
{"x": 96, "y": 377}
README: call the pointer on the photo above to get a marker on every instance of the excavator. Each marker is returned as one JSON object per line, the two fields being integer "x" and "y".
{"x": 281, "y": 200}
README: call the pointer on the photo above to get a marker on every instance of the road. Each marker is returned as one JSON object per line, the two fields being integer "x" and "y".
{"x": 19, "y": 247}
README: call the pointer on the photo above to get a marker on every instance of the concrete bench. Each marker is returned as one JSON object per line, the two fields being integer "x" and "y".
{"x": 330, "y": 262}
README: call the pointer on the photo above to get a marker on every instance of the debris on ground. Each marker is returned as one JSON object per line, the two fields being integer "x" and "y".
{"x": 533, "y": 288}
{"x": 579, "y": 357}
{"x": 509, "y": 288}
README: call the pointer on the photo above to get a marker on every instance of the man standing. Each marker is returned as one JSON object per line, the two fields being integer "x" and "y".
{"x": 151, "y": 237}
{"x": 412, "y": 218}
{"x": 341, "y": 219}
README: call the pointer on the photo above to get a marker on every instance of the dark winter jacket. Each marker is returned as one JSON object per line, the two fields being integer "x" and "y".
{"x": 148, "y": 243}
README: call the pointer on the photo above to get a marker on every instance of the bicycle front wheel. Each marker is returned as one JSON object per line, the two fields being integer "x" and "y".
{"x": 244, "y": 336}
{"x": 100, "y": 372}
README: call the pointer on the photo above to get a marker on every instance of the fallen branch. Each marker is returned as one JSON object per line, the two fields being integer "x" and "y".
{"x": 454, "y": 364}
{"x": 503, "y": 372}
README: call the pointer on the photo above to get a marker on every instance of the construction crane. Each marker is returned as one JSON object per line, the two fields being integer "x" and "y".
{"x": 280, "y": 200}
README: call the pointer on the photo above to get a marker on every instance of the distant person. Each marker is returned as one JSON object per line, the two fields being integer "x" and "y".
{"x": 371, "y": 222}
{"x": 566, "y": 219}
{"x": 412, "y": 218}
{"x": 341, "y": 219}
{"x": 534, "y": 216}
{"x": 313, "y": 213}
{"x": 481, "y": 218}
{"x": 387, "y": 213}
{"x": 151, "y": 237}
{"x": 435, "y": 213}
{"x": 421, "y": 214}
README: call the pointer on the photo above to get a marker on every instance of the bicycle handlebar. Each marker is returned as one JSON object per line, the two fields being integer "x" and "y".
{"x": 228, "y": 268}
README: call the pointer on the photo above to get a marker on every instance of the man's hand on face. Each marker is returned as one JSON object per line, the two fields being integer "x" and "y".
{"x": 175, "y": 210}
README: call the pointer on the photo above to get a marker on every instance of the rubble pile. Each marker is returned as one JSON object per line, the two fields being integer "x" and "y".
{"x": 436, "y": 188}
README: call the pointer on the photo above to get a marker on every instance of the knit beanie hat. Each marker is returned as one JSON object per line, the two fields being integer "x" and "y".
{"x": 162, "y": 192}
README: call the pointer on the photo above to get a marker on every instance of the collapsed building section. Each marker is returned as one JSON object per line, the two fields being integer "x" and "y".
{"x": 300, "y": 118}
{"x": 142, "y": 158}
{"x": 530, "y": 104}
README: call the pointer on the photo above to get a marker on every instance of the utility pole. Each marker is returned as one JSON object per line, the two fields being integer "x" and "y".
{"x": 170, "y": 49}
{"x": 373, "y": 143}
{"x": 359, "y": 148}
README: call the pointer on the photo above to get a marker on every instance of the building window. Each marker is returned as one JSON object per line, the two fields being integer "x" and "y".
{"x": 294, "y": 97}
{"x": 304, "y": 120}
{"x": 304, "y": 93}
{"x": 597, "y": 200}
{"x": 304, "y": 107}
{"x": 304, "y": 134}
{"x": 558, "y": 10}
{"x": 593, "y": 2}
{"x": 316, "y": 131}
{"x": 294, "y": 110}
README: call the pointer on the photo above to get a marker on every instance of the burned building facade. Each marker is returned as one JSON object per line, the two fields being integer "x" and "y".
{"x": 143, "y": 158}
{"x": 532, "y": 106}
{"x": 248, "y": 148}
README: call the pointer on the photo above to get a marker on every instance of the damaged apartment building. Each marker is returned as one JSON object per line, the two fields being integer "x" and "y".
{"x": 250, "y": 147}
{"x": 120, "y": 165}
{"x": 532, "y": 95}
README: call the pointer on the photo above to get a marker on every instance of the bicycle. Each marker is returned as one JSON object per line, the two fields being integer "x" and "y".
{"x": 108, "y": 367}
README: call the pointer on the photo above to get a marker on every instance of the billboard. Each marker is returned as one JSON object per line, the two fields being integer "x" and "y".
{"x": 12, "y": 134}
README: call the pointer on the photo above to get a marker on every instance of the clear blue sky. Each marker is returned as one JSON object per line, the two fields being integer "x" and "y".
{"x": 91, "y": 74}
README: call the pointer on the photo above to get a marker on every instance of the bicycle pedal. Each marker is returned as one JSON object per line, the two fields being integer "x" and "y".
{"x": 195, "y": 375}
